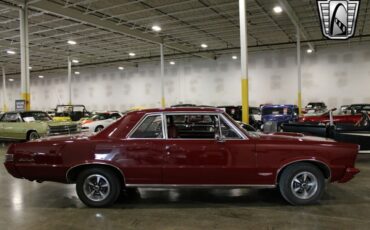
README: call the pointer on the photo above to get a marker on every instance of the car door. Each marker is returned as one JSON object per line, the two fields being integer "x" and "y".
{"x": 206, "y": 160}
{"x": 143, "y": 153}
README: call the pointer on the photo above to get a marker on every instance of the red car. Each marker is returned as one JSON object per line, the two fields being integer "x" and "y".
{"x": 183, "y": 147}
{"x": 337, "y": 119}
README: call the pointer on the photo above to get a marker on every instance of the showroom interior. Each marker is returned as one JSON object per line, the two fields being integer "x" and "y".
{"x": 85, "y": 67}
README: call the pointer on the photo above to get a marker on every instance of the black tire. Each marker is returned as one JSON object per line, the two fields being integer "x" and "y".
{"x": 107, "y": 177}
{"x": 302, "y": 192}
{"x": 99, "y": 128}
{"x": 33, "y": 135}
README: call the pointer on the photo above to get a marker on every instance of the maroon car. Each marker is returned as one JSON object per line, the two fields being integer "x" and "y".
{"x": 183, "y": 147}
{"x": 337, "y": 119}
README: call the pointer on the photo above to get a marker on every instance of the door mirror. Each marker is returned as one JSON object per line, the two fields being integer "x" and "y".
{"x": 219, "y": 138}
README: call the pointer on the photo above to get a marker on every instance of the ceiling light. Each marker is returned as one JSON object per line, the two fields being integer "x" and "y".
{"x": 77, "y": 73}
{"x": 29, "y": 67}
{"x": 204, "y": 45}
{"x": 75, "y": 61}
{"x": 11, "y": 52}
{"x": 71, "y": 42}
{"x": 172, "y": 63}
{"x": 132, "y": 54}
{"x": 309, "y": 51}
{"x": 234, "y": 57}
{"x": 41, "y": 77}
{"x": 121, "y": 67}
{"x": 156, "y": 28}
{"x": 10, "y": 79}
{"x": 278, "y": 9}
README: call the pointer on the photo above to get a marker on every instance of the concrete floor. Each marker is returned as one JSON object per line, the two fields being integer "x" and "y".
{"x": 29, "y": 205}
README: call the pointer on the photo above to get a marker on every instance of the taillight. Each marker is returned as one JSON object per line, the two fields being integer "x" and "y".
{"x": 86, "y": 122}
{"x": 9, "y": 157}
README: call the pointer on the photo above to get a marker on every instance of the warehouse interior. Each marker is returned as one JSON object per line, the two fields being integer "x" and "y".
{"x": 117, "y": 55}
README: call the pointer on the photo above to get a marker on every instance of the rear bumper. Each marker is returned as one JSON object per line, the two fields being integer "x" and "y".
{"x": 12, "y": 170}
{"x": 349, "y": 174}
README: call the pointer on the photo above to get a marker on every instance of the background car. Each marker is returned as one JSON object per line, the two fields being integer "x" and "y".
{"x": 98, "y": 121}
{"x": 314, "y": 107}
{"x": 70, "y": 113}
{"x": 33, "y": 125}
{"x": 236, "y": 113}
{"x": 276, "y": 115}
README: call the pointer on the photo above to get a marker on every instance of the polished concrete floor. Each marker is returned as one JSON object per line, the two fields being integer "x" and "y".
{"x": 29, "y": 205}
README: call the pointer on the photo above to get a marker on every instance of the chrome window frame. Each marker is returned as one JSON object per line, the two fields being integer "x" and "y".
{"x": 133, "y": 130}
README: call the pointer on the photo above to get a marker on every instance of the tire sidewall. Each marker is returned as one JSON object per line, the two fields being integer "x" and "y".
{"x": 36, "y": 135}
{"x": 287, "y": 176}
{"x": 113, "y": 181}
{"x": 99, "y": 128}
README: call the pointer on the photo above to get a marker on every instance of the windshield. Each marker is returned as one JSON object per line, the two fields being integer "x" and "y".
{"x": 276, "y": 111}
{"x": 100, "y": 116}
{"x": 35, "y": 116}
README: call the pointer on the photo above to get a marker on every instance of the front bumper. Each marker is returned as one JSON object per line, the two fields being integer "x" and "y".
{"x": 349, "y": 174}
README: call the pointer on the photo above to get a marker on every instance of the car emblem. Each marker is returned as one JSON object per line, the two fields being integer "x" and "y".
{"x": 338, "y": 18}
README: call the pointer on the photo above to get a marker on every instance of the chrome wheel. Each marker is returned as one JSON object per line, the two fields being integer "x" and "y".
{"x": 33, "y": 136}
{"x": 304, "y": 185}
{"x": 96, "y": 187}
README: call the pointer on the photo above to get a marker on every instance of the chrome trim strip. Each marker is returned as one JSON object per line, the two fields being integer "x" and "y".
{"x": 364, "y": 151}
{"x": 95, "y": 163}
{"x": 292, "y": 162}
{"x": 202, "y": 185}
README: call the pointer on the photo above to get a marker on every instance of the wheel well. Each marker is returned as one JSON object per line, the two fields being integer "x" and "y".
{"x": 99, "y": 126}
{"x": 29, "y": 132}
{"x": 73, "y": 172}
{"x": 323, "y": 168}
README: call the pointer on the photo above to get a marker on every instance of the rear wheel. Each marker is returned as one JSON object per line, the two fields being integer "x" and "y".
{"x": 33, "y": 135}
{"x": 302, "y": 184}
{"x": 97, "y": 187}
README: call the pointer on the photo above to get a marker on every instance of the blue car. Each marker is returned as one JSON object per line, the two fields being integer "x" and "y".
{"x": 279, "y": 114}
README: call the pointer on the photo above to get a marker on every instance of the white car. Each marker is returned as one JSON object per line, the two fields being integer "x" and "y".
{"x": 98, "y": 121}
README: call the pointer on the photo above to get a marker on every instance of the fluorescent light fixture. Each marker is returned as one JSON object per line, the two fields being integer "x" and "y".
{"x": 41, "y": 77}
{"x": 278, "y": 9}
{"x": 71, "y": 42}
{"x": 172, "y": 63}
{"x": 121, "y": 67}
{"x": 77, "y": 73}
{"x": 309, "y": 51}
{"x": 132, "y": 54}
{"x": 156, "y": 28}
{"x": 234, "y": 57}
{"x": 75, "y": 61}
{"x": 11, "y": 52}
{"x": 10, "y": 79}
{"x": 29, "y": 67}
{"x": 204, "y": 46}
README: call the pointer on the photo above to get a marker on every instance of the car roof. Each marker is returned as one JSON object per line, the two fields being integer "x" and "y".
{"x": 31, "y": 111}
{"x": 278, "y": 106}
{"x": 180, "y": 109}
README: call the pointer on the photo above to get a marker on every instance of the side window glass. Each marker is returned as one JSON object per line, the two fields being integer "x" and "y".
{"x": 10, "y": 117}
{"x": 228, "y": 132}
{"x": 151, "y": 127}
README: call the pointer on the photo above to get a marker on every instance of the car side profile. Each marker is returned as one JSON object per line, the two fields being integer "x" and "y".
{"x": 183, "y": 147}
{"x": 98, "y": 121}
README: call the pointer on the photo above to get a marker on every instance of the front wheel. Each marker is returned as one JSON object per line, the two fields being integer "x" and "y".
{"x": 302, "y": 184}
{"x": 97, "y": 187}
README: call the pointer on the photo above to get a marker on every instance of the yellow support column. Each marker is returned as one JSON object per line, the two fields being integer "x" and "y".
{"x": 163, "y": 98}
{"x": 244, "y": 60}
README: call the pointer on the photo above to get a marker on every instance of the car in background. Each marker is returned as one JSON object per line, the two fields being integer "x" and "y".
{"x": 70, "y": 112}
{"x": 358, "y": 108}
{"x": 356, "y": 133}
{"x": 98, "y": 121}
{"x": 32, "y": 125}
{"x": 324, "y": 118}
{"x": 236, "y": 113}
{"x": 184, "y": 147}
{"x": 314, "y": 107}
{"x": 279, "y": 114}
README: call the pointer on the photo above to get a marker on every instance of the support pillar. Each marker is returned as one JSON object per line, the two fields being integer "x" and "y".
{"x": 25, "y": 72}
{"x": 244, "y": 60}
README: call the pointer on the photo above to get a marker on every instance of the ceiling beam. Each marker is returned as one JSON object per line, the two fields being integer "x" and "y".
{"x": 77, "y": 15}
{"x": 295, "y": 20}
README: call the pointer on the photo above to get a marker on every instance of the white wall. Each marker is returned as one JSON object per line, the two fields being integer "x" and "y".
{"x": 336, "y": 75}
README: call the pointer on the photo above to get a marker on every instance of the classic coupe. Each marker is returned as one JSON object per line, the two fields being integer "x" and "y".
{"x": 183, "y": 147}
{"x": 98, "y": 121}
{"x": 32, "y": 125}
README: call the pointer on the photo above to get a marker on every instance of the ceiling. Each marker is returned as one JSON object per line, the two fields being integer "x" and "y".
{"x": 106, "y": 31}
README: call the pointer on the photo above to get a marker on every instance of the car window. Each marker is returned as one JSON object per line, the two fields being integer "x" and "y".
{"x": 35, "y": 116}
{"x": 192, "y": 126}
{"x": 150, "y": 127}
{"x": 227, "y": 131}
{"x": 10, "y": 117}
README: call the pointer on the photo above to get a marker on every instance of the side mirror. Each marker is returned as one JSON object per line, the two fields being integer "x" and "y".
{"x": 219, "y": 138}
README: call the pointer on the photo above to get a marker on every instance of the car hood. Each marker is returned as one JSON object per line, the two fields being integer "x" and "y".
{"x": 292, "y": 137}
